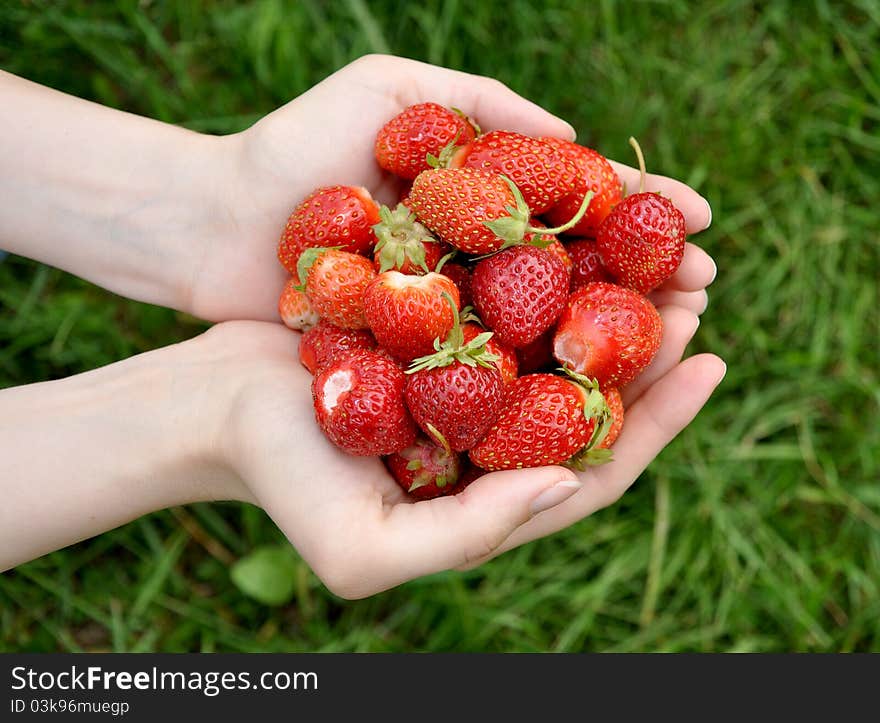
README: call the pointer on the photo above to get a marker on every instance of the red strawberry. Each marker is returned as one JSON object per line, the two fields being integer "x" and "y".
{"x": 520, "y": 292}
{"x": 478, "y": 212}
{"x": 335, "y": 284}
{"x": 542, "y": 173}
{"x": 615, "y": 406}
{"x": 425, "y": 470}
{"x": 586, "y": 264}
{"x": 461, "y": 277}
{"x": 406, "y": 313}
{"x": 506, "y": 362}
{"x": 608, "y": 332}
{"x": 295, "y": 309}
{"x": 536, "y": 355}
{"x": 359, "y": 405}
{"x": 326, "y": 342}
{"x": 546, "y": 419}
{"x": 331, "y": 216}
{"x": 404, "y": 244}
{"x": 455, "y": 393}
{"x": 595, "y": 174}
{"x": 404, "y": 142}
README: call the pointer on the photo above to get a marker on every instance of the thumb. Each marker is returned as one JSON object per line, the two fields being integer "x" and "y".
{"x": 426, "y": 537}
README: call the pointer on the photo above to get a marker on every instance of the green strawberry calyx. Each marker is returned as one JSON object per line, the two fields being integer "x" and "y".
{"x": 444, "y": 158}
{"x": 401, "y": 238}
{"x": 596, "y": 410}
{"x": 307, "y": 259}
{"x": 454, "y": 349}
{"x": 439, "y": 456}
{"x": 513, "y": 228}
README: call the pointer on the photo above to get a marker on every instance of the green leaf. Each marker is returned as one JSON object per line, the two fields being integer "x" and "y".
{"x": 268, "y": 574}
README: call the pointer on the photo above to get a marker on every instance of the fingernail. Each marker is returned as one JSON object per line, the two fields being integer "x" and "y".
{"x": 554, "y": 495}
{"x": 705, "y": 306}
{"x": 723, "y": 371}
{"x": 714, "y": 271}
{"x": 709, "y": 211}
{"x": 572, "y": 133}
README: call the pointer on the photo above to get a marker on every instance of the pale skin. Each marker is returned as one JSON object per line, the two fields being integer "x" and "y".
{"x": 189, "y": 221}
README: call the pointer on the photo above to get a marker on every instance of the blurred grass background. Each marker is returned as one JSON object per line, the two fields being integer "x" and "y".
{"x": 757, "y": 530}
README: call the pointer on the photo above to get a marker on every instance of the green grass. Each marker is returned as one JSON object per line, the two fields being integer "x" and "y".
{"x": 757, "y": 530}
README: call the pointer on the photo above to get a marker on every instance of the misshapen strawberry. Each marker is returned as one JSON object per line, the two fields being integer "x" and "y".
{"x": 407, "y": 313}
{"x": 607, "y": 332}
{"x": 546, "y": 419}
{"x": 340, "y": 216}
{"x": 594, "y": 173}
{"x": 520, "y": 292}
{"x": 425, "y": 470}
{"x": 335, "y": 282}
{"x": 641, "y": 242}
{"x": 542, "y": 174}
{"x": 295, "y": 309}
{"x": 478, "y": 212}
{"x": 358, "y": 401}
{"x": 326, "y": 342}
{"x": 404, "y": 142}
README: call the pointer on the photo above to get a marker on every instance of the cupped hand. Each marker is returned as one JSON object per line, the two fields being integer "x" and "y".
{"x": 349, "y": 519}
{"x": 325, "y": 137}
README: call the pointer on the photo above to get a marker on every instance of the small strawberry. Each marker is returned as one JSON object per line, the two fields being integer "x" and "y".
{"x": 335, "y": 284}
{"x": 295, "y": 309}
{"x": 595, "y": 174}
{"x": 404, "y": 142}
{"x": 326, "y": 342}
{"x": 478, "y": 212}
{"x": 608, "y": 332}
{"x": 539, "y": 170}
{"x": 333, "y": 216}
{"x": 586, "y": 263}
{"x": 537, "y": 355}
{"x": 425, "y": 470}
{"x": 404, "y": 244}
{"x": 641, "y": 242}
{"x": 546, "y": 419}
{"x": 506, "y": 362}
{"x": 615, "y": 407}
{"x": 461, "y": 277}
{"x": 407, "y": 313}
{"x": 359, "y": 405}
{"x": 520, "y": 292}
{"x": 455, "y": 393}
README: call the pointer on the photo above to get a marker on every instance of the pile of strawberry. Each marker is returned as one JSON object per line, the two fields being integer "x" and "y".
{"x": 456, "y": 333}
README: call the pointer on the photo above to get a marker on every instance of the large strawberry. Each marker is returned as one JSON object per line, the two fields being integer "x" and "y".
{"x": 607, "y": 332}
{"x": 539, "y": 170}
{"x": 594, "y": 173}
{"x": 325, "y": 342}
{"x": 295, "y": 309}
{"x": 477, "y": 211}
{"x": 546, "y": 419}
{"x": 425, "y": 469}
{"x": 455, "y": 393}
{"x": 520, "y": 292}
{"x": 407, "y": 313}
{"x": 641, "y": 242}
{"x": 359, "y": 404}
{"x": 404, "y": 244}
{"x": 335, "y": 282}
{"x": 586, "y": 265}
{"x": 404, "y": 143}
{"x": 333, "y": 216}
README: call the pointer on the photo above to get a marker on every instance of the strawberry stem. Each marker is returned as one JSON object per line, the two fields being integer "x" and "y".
{"x": 642, "y": 173}
{"x": 571, "y": 222}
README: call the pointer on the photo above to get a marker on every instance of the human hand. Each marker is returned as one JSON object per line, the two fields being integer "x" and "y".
{"x": 350, "y": 520}
{"x": 324, "y": 137}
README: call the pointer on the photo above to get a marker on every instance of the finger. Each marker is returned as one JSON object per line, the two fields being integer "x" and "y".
{"x": 696, "y": 209}
{"x": 490, "y": 102}
{"x": 694, "y": 301}
{"x": 667, "y": 408}
{"x": 679, "y": 327}
{"x": 426, "y": 537}
{"x": 696, "y": 271}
